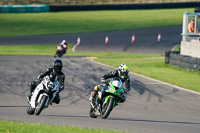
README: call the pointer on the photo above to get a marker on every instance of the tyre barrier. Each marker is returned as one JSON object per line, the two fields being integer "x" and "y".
{"x": 57, "y": 8}
{"x": 182, "y": 61}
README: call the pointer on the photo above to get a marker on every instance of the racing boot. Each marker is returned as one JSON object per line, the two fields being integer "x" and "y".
{"x": 29, "y": 96}
{"x": 93, "y": 95}
{"x": 92, "y": 99}
{"x": 31, "y": 88}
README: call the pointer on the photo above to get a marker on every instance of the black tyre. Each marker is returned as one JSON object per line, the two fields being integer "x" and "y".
{"x": 30, "y": 110}
{"x": 107, "y": 108}
{"x": 40, "y": 105}
{"x": 92, "y": 113}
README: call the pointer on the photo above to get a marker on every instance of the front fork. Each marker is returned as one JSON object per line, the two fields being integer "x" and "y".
{"x": 54, "y": 95}
{"x": 45, "y": 95}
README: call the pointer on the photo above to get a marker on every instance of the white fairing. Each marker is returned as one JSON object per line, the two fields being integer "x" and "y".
{"x": 117, "y": 83}
{"x": 45, "y": 82}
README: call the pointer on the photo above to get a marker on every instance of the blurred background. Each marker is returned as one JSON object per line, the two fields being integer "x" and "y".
{"x": 86, "y": 2}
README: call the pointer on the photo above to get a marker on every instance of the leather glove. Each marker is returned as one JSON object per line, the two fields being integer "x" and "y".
{"x": 103, "y": 80}
{"x": 60, "y": 89}
{"x": 50, "y": 86}
{"x": 39, "y": 78}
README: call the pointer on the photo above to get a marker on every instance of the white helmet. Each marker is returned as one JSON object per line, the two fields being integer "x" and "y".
{"x": 63, "y": 42}
{"x": 123, "y": 70}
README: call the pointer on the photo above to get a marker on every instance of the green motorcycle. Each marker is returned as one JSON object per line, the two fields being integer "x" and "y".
{"x": 108, "y": 97}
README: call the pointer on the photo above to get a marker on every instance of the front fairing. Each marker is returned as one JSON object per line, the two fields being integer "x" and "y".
{"x": 55, "y": 86}
{"x": 120, "y": 92}
{"x": 42, "y": 89}
{"x": 53, "y": 91}
{"x": 53, "y": 82}
{"x": 110, "y": 90}
{"x": 36, "y": 94}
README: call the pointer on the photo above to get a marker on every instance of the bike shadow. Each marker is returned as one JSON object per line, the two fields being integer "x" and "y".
{"x": 68, "y": 116}
{"x": 13, "y": 106}
{"x": 142, "y": 89}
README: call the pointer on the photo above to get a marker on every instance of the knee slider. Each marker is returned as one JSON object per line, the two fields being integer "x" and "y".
{"x": 95, "y": 88}
{"x": 123, "y": 99}
{"x": 32, "y": 86}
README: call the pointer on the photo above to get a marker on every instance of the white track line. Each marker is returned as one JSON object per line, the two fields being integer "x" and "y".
{"x": 74, "y": 47}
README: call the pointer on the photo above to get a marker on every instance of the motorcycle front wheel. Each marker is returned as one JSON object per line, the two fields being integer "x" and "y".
{"x": 29, "y": 110}
{"x": 40, "y": 105}
{"x": 107, "y": 107}
{"x": 92, "y": 113}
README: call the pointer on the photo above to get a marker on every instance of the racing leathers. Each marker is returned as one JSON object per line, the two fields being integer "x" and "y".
{"x": 60, "y": 76}
{"x": 115, "y": 73}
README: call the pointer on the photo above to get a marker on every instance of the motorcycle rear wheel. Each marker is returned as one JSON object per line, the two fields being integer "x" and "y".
{"x": 107, "y": 108}
{"x": 59, "y": 53}
{"x": 40, "y": 105}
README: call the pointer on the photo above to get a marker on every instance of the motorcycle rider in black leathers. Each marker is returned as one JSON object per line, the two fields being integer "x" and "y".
{"x": 61, "y": 48}
{"x": 56, "y": 72}
{"x": 121, "y": 73}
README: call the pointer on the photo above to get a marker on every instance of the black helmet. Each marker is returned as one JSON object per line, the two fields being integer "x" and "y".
{"x": 57, "y": 65}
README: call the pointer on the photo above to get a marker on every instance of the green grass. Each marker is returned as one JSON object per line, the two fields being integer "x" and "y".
{"x": 24, "y": 127}
{"x": 24, "y": 24}
{"x": 154, "y": 67}
{"x": 150, "y": 65}
{"x": 28, "y": 49}
{"x": 177, "y": 47}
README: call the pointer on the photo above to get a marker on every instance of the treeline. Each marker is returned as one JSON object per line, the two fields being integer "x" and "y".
{"x": 85, "y": 2}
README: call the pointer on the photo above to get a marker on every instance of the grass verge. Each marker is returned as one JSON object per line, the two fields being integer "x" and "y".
{"x": 23, "y": 24}
{"x": 150, "y": 65}
{"x": 24, "y": 127}
{"x": 177, "y": 48}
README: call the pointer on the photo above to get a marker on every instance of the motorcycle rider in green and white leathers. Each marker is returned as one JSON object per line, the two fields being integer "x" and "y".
{"x": 121, "y": 73}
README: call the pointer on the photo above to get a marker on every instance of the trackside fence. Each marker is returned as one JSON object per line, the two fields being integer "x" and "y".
{"x": 57, "y": 8}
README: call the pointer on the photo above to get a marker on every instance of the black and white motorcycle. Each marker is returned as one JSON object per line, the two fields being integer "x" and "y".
{"x": 43, "y": 95}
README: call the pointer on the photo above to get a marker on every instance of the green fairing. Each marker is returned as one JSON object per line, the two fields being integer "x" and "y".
{"x": 119, "y": 90}
{"x": 106, "y": 100}
{"x": 115, "y": 93}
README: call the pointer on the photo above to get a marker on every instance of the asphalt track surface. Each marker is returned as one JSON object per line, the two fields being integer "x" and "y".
{"x": 119, "y": 41}
{"x": 151, "y": 106}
